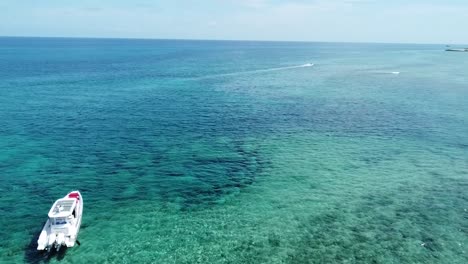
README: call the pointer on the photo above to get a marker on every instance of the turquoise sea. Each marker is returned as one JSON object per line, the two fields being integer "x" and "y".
{"x": 235, "y": 152}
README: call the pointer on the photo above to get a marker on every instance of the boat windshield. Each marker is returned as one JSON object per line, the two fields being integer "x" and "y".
{"x": 59, "y": 221}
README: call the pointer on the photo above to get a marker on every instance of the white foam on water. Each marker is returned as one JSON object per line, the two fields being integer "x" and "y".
{"x": 281, "y": 68}
{"x": 386, "y": 72}
{"x": 258, "y": 71}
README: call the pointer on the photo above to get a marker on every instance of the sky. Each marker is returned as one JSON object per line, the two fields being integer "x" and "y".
{"x": 389, "y": 21}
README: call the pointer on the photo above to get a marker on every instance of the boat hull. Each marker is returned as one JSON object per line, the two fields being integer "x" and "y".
{"x": 457, "y": 50}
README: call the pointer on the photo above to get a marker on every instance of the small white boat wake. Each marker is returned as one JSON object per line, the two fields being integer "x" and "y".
{"x": 279, "y": 69}
{"x": 385, "y": 72}
{"x": 284, "y": 68}
{"x": 257, "y": 71}
{"x": 63, "y": 225}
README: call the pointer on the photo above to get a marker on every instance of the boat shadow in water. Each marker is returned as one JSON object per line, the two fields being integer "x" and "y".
{"x": 33, "y": 256}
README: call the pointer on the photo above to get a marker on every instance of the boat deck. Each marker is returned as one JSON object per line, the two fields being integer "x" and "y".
{"x": 63, "y": 207}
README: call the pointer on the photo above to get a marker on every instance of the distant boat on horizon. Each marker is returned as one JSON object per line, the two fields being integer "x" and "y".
{"x": 456, "y": 49}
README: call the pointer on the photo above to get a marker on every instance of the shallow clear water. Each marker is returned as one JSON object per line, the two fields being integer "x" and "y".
{"x": 235, "y": 152}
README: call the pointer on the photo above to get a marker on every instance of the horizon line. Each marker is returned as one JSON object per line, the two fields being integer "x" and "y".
{"x": 233, "y": 40}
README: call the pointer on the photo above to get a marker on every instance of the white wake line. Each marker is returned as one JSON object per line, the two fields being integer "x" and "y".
{"x": 388, "y": 72}
{"x": 255, "y": 71}
{"x": 385, "y": 72}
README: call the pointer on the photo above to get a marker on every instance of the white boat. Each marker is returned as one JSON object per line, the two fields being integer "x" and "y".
{"x": 63, "y": 225}
{"x": 458, "y": 50}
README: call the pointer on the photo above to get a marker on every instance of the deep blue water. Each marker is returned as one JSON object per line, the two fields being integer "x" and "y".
{"x": 236, "y": 152}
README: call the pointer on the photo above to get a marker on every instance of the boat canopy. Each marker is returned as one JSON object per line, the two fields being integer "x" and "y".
{"x": 62, "y": 208}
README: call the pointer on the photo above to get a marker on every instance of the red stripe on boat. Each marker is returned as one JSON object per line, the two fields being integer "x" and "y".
{"x": 74, "y": 195}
